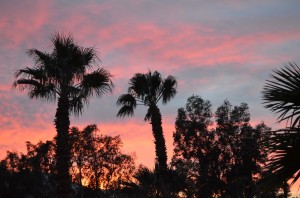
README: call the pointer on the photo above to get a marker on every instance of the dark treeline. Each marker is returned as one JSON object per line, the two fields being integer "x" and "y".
{"x": 216, "y": 154}
{"x": 96, "y": 163}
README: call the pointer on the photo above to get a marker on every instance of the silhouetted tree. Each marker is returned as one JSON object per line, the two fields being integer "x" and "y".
{"x": 62, "y": 75}
{"x": 19, "y": 179}
{"x": 242, "y": 149}
{"x": 41, "y": 157}
{"x": 148, "y": 89}
{"x": 196, "y": 151}
{"x": 81, "y": 142}
{"x": 281, "y": 95}
{"x": 225, "y": 161}
{"x": 98, "y": 160}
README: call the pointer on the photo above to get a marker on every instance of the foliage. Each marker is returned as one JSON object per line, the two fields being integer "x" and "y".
{"x": 148, "y": 183}
{"x": 281, "y": 95}
{"x": 224, "y": 158}
{"x": 95, "y": 159}
{"x": 98, "y": 160}
{"x": 195, "y": 150}
{"x": 27, "y": 175}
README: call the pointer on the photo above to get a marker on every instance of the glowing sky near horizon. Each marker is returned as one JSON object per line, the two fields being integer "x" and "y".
{"x": 216, "y": 49}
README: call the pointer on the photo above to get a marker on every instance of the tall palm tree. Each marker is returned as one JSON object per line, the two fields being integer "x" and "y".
{"x": 63, "y": 75}
{"x": 281, "y": 95}
{"x": 148, "y": 89}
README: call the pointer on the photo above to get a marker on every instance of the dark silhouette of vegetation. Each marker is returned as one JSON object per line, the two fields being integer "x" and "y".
{"x": 99, "y": 168}
{"x": 281, "y": 95}
{"x": 62, "y": 75}
{"x": 148, "y": 89}
{"x": 98, "y": 160}
{"x": 195, "y": 151}
{"x": 224, "y": 159}
{"x": 147, "y": 184}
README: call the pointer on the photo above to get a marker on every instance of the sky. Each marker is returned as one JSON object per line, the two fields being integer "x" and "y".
{"x": 216, "y": 49}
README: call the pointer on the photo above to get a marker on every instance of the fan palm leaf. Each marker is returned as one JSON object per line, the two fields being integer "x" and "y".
{"x": 281, "y": 95}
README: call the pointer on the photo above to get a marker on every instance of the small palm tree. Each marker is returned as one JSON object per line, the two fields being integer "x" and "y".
{"x": 63, "y": 75}
{"x": 281, "y": 94}
{"x": 148, "y": 89}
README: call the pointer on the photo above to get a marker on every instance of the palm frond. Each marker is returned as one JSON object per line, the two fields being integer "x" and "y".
{"x": 36, "y": 89}
{"x": 281, "y": 94}
{"x": 169, "y": 89}
{"x": 41, "y": 59}
{"x": 98, "y": 82}
{"x": 46, "y": 92}
{"x": 127, "y": 103}
{"x": 284, "y": 163}
{"x": 155, "y": 82}
{"x": 76, "y": 105}
{"x": 32, "y": 73}
{"x": 26, "y": 84}
{"x": 138, "y": 85}
{"x": 90, "y": 56}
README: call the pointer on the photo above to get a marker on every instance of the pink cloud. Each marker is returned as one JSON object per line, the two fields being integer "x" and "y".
{"x": 17, "y": 27}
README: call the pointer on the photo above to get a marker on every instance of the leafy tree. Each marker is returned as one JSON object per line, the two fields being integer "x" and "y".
{"x": 222, "y": 159}
{"x": 63, "y": 75}
{"x": 18, "y": 179}
{"x": 148, "y": 89}
{"x": 196, "y": 151}
{"x": 243, "y": 152}
{"x": 81, "y": 146}
{"x": 41, "y": 157}
{"x": 281, "y": 95}
{"x": 98, "y": 160}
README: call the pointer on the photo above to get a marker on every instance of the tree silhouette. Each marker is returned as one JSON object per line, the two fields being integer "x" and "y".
{"x": 281, "y": 94}
{"x": 196, "y": 151}
{"x": 98, "y": 160}
{"x": 148, "y": 89}
{"x": 242, "y": 149}
{"x": 63, "y": 75}
{"x": 222, "y": 159}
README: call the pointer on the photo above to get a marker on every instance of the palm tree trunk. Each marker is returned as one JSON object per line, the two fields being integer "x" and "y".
{"x": 159, "y": 140}
{"x": 62, "y": 124}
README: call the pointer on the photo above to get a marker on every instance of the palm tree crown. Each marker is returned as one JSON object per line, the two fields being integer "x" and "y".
{"x": 146, "y": 89}
{"x": 64, "y": 73}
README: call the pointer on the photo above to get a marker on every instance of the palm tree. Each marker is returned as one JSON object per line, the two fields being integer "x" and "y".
{"x": 281, "y": 95}
{"x": 63, "y": 75}
{"x": 148, "y": 89}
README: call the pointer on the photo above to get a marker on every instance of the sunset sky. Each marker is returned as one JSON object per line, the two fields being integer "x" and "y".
{"x": 216, "y": 49}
